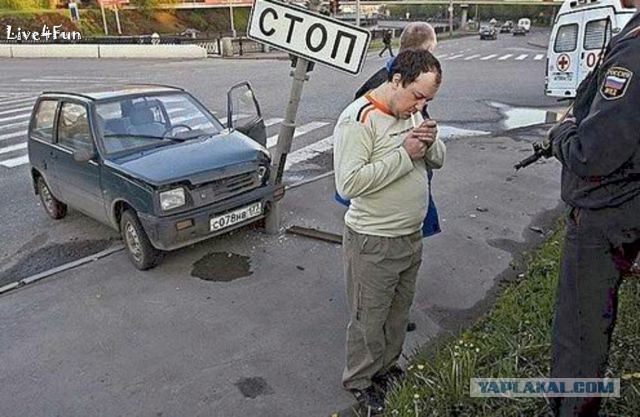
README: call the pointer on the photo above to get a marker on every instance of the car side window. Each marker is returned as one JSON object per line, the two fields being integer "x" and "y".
{"x": 44, "y": 120}
{"x": 73, "y": 127}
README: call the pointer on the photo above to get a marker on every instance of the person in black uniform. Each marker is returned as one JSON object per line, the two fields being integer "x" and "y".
{"x": 599, "y": 148}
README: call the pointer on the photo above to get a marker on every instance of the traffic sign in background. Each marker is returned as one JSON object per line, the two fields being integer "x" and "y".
{"x": 309, "y": 35}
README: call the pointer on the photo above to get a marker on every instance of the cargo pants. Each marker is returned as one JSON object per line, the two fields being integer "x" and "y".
{"x": 600, "y": 247}
{"x": 380, "y": 277}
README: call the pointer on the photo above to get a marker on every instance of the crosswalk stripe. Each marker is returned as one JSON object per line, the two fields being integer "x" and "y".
{"x": 470, "y": 57}
{"x": 12, "y": 135}
{"x": 309, "y": 152}
{"x": 300, "y": 130}
{"x": 14, "y": 162}
{"x": 16, "y": 110}
{"x": 18, "y": 117}
{"x": 13, "y": 148}
{"x": 272, "y": 121}
{"x": 14, "y": 125}
{"x": 17, "y": 101}
{"x": 452, "y": 57}
{"x": 442, "y": 56}
{"x": 507, "y": 56}
{"x": 538, "y": 57}
{"x": 522, "y": 57}
{"x": 488, "y": 57}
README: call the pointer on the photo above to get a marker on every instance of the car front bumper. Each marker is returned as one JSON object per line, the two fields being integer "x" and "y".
{"x": 164, "y": 234}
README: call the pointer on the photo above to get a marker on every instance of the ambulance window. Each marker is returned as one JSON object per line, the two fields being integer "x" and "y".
{"x": 595, "y": 32}
{"x": 567, "y": 38}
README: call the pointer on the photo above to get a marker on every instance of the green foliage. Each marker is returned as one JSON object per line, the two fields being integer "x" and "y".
{"x": 23, "y": 4}
{"x": 513, "y": 340}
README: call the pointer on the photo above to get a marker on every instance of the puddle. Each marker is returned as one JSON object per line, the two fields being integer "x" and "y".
{"x": 52, "y": 256}
{"x": 253, "y": 387}
{"x": 222, "y": 267}
{"x": 450, "y": 132}
{"x": 516, "y": 117}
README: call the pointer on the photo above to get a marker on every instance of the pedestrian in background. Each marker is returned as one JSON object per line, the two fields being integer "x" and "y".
{"x": 386, "y": 40}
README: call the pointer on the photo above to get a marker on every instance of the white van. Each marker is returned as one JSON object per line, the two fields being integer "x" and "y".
{"x": 525, "y": 24}
{"x": 579, "y": 33}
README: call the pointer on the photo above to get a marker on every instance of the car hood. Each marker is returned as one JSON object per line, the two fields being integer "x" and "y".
{"x": 195, "y": 161}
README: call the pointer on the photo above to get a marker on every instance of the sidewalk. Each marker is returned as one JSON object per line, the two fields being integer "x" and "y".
{"x": 105, "y": 339}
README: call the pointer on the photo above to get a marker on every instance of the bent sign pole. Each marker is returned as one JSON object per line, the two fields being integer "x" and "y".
{"x": 311, "y": 38}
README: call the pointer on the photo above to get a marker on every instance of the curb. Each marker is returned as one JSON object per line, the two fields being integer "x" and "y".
{"x": 61, "y": 268}
{"x": 537, "y": 45}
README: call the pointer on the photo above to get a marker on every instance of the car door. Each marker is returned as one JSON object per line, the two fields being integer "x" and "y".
{"x": 40, "y": 142}
{"x": 597, "y": 25}
{"x": 564, "y": 57}
{"x": 243, "y": 113}
{"x": 80, "y": 183}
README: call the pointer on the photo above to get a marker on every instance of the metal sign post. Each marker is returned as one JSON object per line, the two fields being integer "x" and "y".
{"x": 311, "y": 38}
{"x": 104, "y": 19}
{"x": 115, "y": 10}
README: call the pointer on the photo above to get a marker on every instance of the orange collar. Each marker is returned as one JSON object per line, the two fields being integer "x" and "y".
{"x": 378, "y": 105}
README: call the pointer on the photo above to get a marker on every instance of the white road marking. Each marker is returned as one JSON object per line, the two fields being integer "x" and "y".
{"x": 13, "y": 148}
{"x": 300, "y": 130}
{"x": 538, "y": 57}
{"x": 522, "y": 57}
{"x": 488, "y": 57}
{"x": 16, "y": 110}
{"x": 470, "y": 57}
{"x": 15, "y": 162}
{"x": 507, "y": 56}
{"x": 13, "y": 135}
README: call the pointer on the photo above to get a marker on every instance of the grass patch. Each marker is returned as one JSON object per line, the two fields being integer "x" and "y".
{"x": 513, "y": 340}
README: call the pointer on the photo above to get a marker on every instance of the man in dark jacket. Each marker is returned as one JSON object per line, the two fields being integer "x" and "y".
{"x": 416, "y": 35}
{"x": 599, "y": 148}
{"x": 386, "y": 40}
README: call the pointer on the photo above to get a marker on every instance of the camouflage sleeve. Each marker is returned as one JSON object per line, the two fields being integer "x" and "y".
{"x": 610, "y": 133}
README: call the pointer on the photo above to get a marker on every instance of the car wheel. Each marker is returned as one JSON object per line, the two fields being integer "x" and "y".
{"x": 139, "y": 248}
{"x": 54, "y": 208}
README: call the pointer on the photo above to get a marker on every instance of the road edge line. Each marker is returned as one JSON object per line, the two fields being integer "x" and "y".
{"x": 61, "y": 268}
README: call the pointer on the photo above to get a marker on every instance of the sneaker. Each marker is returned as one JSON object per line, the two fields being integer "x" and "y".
{"x": 385, "y": 381}
{"x": 369, "y": 399}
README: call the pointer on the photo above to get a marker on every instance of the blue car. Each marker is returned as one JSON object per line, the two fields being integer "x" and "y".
{"x": 151, "y": 162}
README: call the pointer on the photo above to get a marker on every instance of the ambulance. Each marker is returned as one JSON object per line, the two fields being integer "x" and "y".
{"x": 581, "y": 31}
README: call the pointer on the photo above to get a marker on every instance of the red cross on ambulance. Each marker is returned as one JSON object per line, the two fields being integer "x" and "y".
{"x": 564, "y": 62}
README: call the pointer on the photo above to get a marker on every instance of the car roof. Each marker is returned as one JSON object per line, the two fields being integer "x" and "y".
{"x": 106, "y": 93}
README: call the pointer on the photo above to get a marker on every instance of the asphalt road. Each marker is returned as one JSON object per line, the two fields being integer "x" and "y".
{"x": 105, "y": 339}
{"x": 476, "y": 74}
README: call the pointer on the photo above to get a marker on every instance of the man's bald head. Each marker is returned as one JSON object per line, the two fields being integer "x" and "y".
{"x": 418, "y": 36}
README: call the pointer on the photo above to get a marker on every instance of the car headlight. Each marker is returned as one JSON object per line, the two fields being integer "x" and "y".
{"x": 172, "y": 199}
{"x": 263, "y": 173}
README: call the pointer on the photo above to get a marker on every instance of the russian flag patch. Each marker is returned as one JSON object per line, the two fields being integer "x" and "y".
{"x": 615, "y": 83}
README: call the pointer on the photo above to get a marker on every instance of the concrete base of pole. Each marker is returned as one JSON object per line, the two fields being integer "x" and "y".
{"x": 272, "y": 222}
{"x": 227, "y": 47}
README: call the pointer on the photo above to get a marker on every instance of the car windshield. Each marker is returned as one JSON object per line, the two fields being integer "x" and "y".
{"x": 152, "y": 120}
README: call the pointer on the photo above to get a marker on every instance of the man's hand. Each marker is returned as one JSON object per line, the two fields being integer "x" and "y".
{"x": 426, "y": 132}
{"x": 414, "y": 147}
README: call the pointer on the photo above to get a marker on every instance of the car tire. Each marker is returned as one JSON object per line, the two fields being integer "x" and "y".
{"x": 54, "y": 207}
{"x": 139, "y": 248}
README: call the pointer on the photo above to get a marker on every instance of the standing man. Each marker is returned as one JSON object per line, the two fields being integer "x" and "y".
{"x": 415, "y": 35}
{"x": 382, "y": 151}
{"x": 386, "y": 40}
{"x": 600, "y": 153}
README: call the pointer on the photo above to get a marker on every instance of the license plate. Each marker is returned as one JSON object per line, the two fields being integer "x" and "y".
{"x": 235, "y": 217}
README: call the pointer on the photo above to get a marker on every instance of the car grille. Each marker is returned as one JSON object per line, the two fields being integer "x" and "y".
{"x": 225, "y": 188}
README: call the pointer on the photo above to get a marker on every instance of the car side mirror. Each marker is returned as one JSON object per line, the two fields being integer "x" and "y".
{"x": 84, "y": 155}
